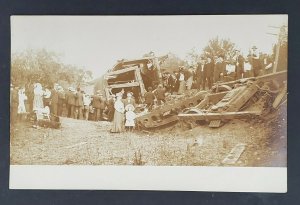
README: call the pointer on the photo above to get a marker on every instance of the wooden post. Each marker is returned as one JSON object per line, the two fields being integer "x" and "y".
{"x": 139, "y": 79}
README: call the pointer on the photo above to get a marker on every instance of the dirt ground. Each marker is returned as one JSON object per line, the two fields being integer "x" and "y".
{"x": 90, "y": 143}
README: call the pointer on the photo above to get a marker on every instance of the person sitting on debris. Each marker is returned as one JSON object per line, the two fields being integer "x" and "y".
{"x": 118, "y": 122}
{"x": 130, "y": 117}
{"x": 45, "y": 119}
{"x": 160, "y": 94}
{"x": 149, "y": 98}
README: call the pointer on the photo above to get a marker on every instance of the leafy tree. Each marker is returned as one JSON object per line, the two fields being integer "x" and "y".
{"x": 45, "y": 67}
{"x": 218, "y": 46}
{"x": 172, "y": 63}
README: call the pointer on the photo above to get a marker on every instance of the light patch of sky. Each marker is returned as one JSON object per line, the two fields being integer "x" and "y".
{"x": 97, "y": 42}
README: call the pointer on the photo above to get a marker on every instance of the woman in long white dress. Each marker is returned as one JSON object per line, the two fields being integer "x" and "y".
{"x": 38, "y": 97}
{"x": 118, "y": 121}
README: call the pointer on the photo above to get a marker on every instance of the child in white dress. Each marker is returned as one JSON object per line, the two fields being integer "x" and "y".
{"x": 130, "y": 117}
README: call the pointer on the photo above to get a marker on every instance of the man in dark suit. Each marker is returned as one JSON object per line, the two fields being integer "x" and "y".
{"x": 256, "y": 63}
{"x": 209, "y": 72}
{"x": 96, "y": 103}
{"x": 54, "y": 100}
{"x": 220, "y": 69}
{"x": 239, "y": 65}
{"x": 200, "y": 74}
{"x": 70, "y": 98}
{"x": 78, "y": 104}
{"x": 61, "y": 101}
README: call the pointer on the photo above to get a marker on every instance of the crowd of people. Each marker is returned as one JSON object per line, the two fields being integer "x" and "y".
{"x": 119, "y": 108}
{"x": 212, "y": 69}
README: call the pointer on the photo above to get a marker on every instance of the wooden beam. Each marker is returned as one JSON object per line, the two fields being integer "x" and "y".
{"x": 124, "y": 85}
{"x": 219, "y": 116}
{"x": 139, "y": 79}
{"x": 282, "y": 75}
{"x": 120, "y": 71}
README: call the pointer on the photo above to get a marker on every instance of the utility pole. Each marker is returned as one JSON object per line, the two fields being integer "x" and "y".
{"x": 281, "y": 35}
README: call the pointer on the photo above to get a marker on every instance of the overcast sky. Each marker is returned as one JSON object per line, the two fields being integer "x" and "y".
{"x": 97, "y": 42}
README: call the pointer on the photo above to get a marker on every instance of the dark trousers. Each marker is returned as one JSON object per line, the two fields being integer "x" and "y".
{"x": 209, "y": 79}
{"x": 54, "y": 108}
{"x": 60, "y": 109}
{"x": 71, "y": 109}
{"x": 256, "y": 72}
{"x": 86, "y": 112}
{"x": 78, "y": 112}
{"x": 159, "y": 101}
{"x": 149, "y": 105}
{"x": 111, "y": 113}
{"x": 98, "y": 114}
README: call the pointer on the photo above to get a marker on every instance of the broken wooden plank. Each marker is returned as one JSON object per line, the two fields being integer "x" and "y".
{"x": 124, "y": 85}
{"x": 218, "y": 116}
{"x": 280, "y": 96}
{"x": 117, "y": 72}
{"x": 234, "y": 154}
{"x": 215, "y": 123}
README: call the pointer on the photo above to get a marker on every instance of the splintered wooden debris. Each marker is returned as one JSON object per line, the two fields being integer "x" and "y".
{"x": 215, "y": 123}
{"x": 234, "y": 154}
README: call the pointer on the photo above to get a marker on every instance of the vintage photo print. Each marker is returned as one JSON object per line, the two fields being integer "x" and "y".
{"x": 149, "y": 102}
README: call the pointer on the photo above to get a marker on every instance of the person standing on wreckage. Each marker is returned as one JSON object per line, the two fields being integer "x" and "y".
{"x": 208, "y": 72}
{"x": 182, "y": 84}
{"x": 256, "y": 63}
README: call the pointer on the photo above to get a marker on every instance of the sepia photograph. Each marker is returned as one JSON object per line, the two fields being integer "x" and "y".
{"x": 175, "y": 91}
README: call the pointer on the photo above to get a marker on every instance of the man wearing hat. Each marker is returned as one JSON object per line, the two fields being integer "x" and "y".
{"x": 200, "y": 74}
{"x": 149, "y": 98}
{"x": 220, "y": 69}
{"x": 208, "y": 72}
{"x": 54, "y": 100}
{"x": 110, "y": 107}
{"x": 160, "y": 94}
{"x": 239, "y": 65}
{"x": 256, "y": 63}
{"x": 70, "y": 100}
{"x": 96, "y": 103}
{"x": 61, "y": 100}
{"x": 78, "y": 104}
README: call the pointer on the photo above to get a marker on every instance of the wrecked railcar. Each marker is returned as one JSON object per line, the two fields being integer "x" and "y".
{"x": 134, "y": 76}
{"x": 245, "y": 98}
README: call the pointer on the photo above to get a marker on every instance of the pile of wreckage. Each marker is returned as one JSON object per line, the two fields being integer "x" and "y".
{"x": 245, "y": 98}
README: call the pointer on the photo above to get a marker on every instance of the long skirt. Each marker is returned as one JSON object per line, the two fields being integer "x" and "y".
{"x": 38, "y": 102}
{"x": 118, "y": 122}
{"x": 181, "y": 87}
{"x": 21, "y": 108}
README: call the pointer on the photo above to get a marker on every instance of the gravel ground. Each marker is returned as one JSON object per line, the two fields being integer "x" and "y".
{"x": 90, "y": 143}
